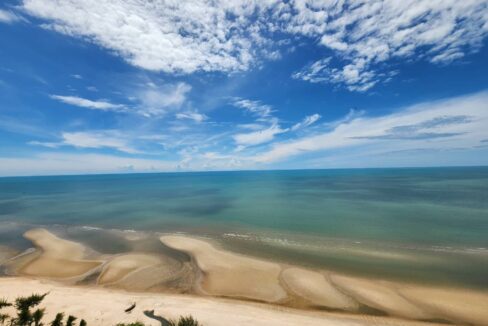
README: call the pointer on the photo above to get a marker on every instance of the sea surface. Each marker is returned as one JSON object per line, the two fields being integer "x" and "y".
{"x": 422, "y": 225}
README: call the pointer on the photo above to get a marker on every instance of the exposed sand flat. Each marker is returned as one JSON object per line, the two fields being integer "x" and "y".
{"x": 122, "y": 265}
{"x": 58, "y": 258}
{"x": 141, "y": 271}
{"x": 229, "y": 274}
{"x": 460, "y": 306}
{"x": 217, "y": 272}
{"x": 378, "y": 295}
{"x": 103, "y": 307}
{"x": 314, "y": 287}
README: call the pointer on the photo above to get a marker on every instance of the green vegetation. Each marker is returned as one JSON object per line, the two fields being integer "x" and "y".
{"x": 185, "y": 321}
{"x": 28, "y": 314}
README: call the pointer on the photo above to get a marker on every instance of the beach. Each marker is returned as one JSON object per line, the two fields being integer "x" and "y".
{"x": 208, "y": 273}
{"x": 106, "y": 307}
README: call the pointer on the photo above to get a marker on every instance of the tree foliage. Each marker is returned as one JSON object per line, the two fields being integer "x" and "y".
{"x": 27, "y": 313}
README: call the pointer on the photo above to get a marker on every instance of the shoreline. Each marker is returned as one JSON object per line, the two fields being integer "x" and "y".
{"x": 214, "y": 272}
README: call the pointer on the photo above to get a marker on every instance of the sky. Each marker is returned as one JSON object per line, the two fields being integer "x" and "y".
{"x": 90, "y": 86}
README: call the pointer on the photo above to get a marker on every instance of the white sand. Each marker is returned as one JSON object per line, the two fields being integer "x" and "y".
{"x": 102, "y": 307}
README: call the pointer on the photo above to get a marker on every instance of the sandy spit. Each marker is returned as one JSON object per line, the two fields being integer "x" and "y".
{"x": 57, "y": 258}
{"x": 231, "y": 275}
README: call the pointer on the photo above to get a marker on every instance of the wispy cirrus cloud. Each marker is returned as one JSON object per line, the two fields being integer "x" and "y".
{"x": 102, "y": 105}
{"x": 453, "y": 123}
{"x": 307, "y": 121}
{"x": 149, "y": 100}
{"x": 154, "y": 100}
{"x": 262, "y": 112}
{"x": 194, "y": 116}
{"x": 9, "y": 17}
{"x": 265, "y": 127}
{"x": 258, "y": 137}
{"x": 92, "y": 139}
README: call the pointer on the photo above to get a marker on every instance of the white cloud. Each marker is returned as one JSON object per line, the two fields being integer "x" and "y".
{"x": 265, "y": 127}
{"x": 93, "y": 139}
{"x": 170, "y": 36}
{"x": 8, "y": 17}
{"x": 454, "y": 123}
{"x": 366, "y": 33}
{"x": 44, "y": 144}
{"x": 195, "y": 116}
{"x": 262, "y": 111}
{"x": 89, "y": 104}
{"x": 258, "y": 137}
{"x": 307, "y": 121}
{"x": 61, "y": 163}
{"x": 159, "y": 100}
{"x": 365, "y": 36}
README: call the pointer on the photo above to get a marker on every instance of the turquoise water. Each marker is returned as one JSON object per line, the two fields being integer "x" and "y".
{"x": 420, "y": 224}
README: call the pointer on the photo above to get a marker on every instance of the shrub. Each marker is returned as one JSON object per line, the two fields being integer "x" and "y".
{"x": 185, "y": 321}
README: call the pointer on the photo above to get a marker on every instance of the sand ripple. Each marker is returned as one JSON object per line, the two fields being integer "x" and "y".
{"x": 314, "y": 287}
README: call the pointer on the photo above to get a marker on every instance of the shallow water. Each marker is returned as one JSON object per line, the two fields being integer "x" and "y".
{"x": 421, "y": 225}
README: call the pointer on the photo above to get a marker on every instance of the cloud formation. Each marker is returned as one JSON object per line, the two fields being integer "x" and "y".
{"x": 8, "y": 17}
{"x": 195, "y": 116}
{"x": 169, "y": 36}
{"x": 89, "y": 104}
{"x": 454, "y": 123}
{"x": 364, "y": 36}
{"x": 61, "y": 163}
{"x": 92, "y": 139}
{"x": 307, "y": 121}
{"x": 159, "y": 100}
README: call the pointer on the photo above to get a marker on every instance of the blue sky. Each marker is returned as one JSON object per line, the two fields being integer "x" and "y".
{"x": 135, "y": 86}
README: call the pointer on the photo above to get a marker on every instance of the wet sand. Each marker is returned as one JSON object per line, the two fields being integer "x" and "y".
{"x": 231, "y": 275}
{"x": 210, "y": 271}
{"x": 56, "y": 257}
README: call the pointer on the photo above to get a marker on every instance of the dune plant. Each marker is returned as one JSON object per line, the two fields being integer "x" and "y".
{"x": 4, "y": 317}
{"x": 28, "y": 313}
{"x": 185, "y": 321}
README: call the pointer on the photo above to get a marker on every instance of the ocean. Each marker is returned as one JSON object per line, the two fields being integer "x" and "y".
{"x": 421, "y": 225}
